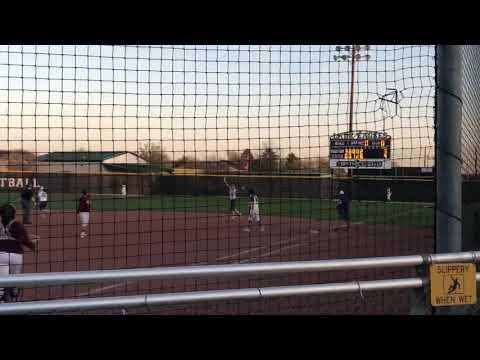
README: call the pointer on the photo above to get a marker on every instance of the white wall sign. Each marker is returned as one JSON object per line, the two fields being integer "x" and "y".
{"x": 17, "y": 182}
{"x": 360, "y": 164}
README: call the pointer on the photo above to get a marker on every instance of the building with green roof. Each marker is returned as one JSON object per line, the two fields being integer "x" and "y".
{"x": 96, "y": 162}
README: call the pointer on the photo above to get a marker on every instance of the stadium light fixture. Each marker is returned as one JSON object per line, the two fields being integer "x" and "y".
{"x": 352, "y": 53}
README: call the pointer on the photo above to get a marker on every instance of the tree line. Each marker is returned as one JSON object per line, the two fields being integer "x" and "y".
{"x": 267, "y": 160}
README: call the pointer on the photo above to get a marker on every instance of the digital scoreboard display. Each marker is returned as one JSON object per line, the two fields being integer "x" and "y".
{"x": 360, "y": 150}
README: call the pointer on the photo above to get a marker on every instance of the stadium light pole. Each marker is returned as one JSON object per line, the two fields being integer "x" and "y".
{"x": 352, "y": 53}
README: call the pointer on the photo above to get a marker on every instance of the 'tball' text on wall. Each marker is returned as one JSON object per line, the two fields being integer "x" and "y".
{"x": 17, "y": 182}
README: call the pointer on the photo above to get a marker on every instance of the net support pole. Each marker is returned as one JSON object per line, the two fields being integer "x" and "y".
{"x": 448, "y": 153}
{"x": 448, "y": 149}
{"x": 418, "y": 296}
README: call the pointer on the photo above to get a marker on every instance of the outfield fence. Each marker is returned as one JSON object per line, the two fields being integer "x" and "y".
{"x": 374, "y": 188}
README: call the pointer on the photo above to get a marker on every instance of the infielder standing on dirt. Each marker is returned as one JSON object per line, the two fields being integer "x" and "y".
{"x": 13, "y": 237}
{"x": 83, "y": 210}
{"x": 253, "y": 211}
{"x": 26, "y": 197}
{"x": 232, "y": 195}
{"x": 343, "y": 207}
{"x": 42, "y": 200}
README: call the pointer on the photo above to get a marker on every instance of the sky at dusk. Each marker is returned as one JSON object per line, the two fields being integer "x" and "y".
{"x": 205, "y": 100}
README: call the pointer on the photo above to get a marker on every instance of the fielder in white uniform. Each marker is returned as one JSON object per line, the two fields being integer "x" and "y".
{"x": 253, "y": 211}
{"x": 42, "y": 200}
{"x": 232, "y": 195}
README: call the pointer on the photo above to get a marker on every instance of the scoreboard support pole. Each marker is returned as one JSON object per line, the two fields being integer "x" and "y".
{"x": 350, "y": 187}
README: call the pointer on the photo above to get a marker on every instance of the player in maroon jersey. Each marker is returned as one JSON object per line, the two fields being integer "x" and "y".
{"x": 13, "y": 239}
{"x": 83, "y": 211}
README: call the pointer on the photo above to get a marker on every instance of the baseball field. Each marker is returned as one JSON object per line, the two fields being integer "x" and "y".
{"x": 141, "y": 231}
{"x": 368, "y": 212}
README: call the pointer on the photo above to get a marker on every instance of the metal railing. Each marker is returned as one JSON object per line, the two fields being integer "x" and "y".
{"x": 176, "y": 272}
{"x": 151, "y": 300}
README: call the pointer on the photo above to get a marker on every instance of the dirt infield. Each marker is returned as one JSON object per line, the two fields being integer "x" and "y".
{"x": 143, "y": 239}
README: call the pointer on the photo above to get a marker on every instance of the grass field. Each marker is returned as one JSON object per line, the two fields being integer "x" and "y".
{"x": 370, "y": 212}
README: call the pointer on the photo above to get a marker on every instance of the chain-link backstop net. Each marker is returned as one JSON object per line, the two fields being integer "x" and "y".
{"x": 471, "y": 147}
{"x": 219, "y": 155}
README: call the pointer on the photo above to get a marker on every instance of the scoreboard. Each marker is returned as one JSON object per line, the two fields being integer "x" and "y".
{"x": 360, "y": 150}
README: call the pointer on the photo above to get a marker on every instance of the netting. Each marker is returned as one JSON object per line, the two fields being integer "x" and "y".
{"x": 155, "y": 134}
{"x": 471, "y": 146}
{"x": 471, "y": 111}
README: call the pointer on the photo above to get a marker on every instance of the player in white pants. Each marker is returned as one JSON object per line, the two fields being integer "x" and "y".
{"x": 42, "y": 201}
{"x": 232, "y": 195}
{"x": 10, "y": 263}
{"x": 253, "y": 211}
{"x": 13, "y": 237}
{"x": 83, "y": 212}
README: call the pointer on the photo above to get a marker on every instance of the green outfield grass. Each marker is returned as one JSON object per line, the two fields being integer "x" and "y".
{"x": 370, "y": 212}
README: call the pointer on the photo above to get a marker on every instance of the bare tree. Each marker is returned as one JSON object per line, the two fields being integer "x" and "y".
{"x": 247, "y": 159}
{"x": 153, "y": 153}
{"x": 320, "y": 164}
{"x": 323, "y": 164}
{"x": 292, "y": 162}
{"x": 233, "y": 156}
{"x": 268, "y": 159}
{"x": 184, "y": 159}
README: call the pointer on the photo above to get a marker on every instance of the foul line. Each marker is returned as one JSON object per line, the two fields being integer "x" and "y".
{"x": 279, "y": 250}
{"x": 281, "y": 242}
{"x": 239, "y": 253}
{"x": 103, "y": 288}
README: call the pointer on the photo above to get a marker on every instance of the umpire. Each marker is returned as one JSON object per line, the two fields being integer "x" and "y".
{"x": 26, "y": 200}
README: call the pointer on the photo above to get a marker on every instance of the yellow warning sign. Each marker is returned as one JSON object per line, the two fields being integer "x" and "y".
{"x": 453, "y": 284}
